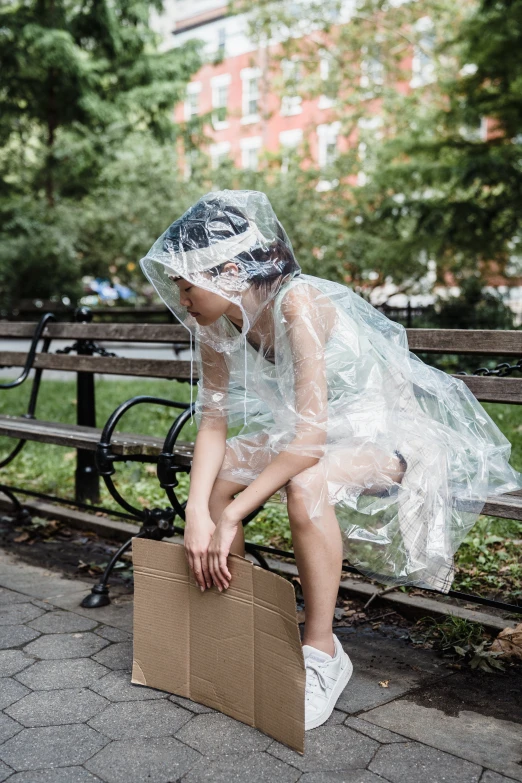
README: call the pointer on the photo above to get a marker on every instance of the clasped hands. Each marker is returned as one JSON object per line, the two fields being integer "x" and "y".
{"x": 207, "y": 546}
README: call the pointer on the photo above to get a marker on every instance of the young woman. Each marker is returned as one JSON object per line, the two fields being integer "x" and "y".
{"x": 379, "y": 457}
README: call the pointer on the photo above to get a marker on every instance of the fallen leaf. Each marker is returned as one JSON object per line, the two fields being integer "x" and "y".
{"x": 19, "y": 539}
{"x": 384, "y": 683}
{"x": 509, "y": 642}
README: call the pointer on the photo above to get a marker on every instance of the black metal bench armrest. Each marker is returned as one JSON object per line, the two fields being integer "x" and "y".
{"x": 44, "y": 320}
{"x": 104, "y": 457}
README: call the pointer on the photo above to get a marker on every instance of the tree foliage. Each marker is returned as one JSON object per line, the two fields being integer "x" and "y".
{"x": 418, "y": 180}
{"x": 78, "y": 80}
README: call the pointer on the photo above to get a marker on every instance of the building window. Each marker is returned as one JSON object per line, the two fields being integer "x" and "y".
{"x": 219, "y": 153}
{"x": 250, "y": 79}
{"x": 222, "y": 43}
{"x": 291, "y": 101}
{"x": 423, "y": 62}
{"x": 372, "y": 68}
{"x": 250, "y": 148}
{"x": 370, "y": 133}
{"x": 192, "y": 100}
{"x": 325, "y": 72}
{"x": 191, "y": 161}
{"x": 327, "y": 136}
{"x": 220, "y": 85}
{"x": 289, "y": 141}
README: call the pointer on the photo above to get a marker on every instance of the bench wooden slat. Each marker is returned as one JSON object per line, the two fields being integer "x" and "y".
{"x": 460, "y": 341}
{"x": 484, "y": 341}
{"x": 135, "y": 333}
{"x": 87, "y": 438}
{"x": 505, "y": 506}
{"x": 485, "y": 388}
{"x": 147, "y": 368}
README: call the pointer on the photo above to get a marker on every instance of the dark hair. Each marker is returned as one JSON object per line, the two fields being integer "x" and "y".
{"x": 265, "y": 262}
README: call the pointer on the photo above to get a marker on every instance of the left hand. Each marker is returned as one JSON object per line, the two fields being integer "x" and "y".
{"x": 219, "y": 548}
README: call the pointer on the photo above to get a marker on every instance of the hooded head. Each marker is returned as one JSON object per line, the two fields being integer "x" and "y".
{"x": 224, "y": 226}
{"x": 236, "y": 226}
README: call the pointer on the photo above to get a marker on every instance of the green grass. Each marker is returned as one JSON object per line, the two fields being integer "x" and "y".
{"x": 488, "y": 561}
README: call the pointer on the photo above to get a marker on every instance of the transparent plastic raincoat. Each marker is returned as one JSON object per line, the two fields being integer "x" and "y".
{"x": 404, "y": 452}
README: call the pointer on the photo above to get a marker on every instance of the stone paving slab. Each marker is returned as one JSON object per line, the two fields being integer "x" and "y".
{"x": 51, "y": 746}
{"x": 17, "y": 613}
{"x": 494, "y": 777}
{"x": 125, "y": 720}
{"x": 57, "y": 708}
{"x": 217, "y": 734}
{"x": 353, "y": 776}
{"x": 63, "y": 622}
{"x": 16, "y": 635}
{"x": 66, "y": 645}
{"x": 412, "y": 762}
{"x": 11, "y": 597}
{"x": 158, "y": 760}
{"x": 329, "y": 748}
{"x": 254, "y": 766}
{"x": 10, "y": 691}
{"x": 14, "y": 661}
{"x": 60, "y": 775}
{"x": 482, "y": 739}
{"x": 51, "y": 675}
{"x": 5, "y": 771}
{"x": 117, "y": 686}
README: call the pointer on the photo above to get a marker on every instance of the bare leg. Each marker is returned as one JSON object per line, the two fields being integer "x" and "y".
{"x": 319, "y": 556}
{"x": 221, "y": 496}
{"x": 319, "y": 550}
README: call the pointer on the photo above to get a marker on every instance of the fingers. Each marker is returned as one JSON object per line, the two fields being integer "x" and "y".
{"x": 198, "y": 572}
{"x": 219, "y": 570}
{"x": 198, "y": 566}
{"x": 205, "y": 568}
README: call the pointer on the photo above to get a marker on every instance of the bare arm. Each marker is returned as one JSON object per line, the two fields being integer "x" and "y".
{"x": 209, "y": 452}
{"x": 307, "y": 328}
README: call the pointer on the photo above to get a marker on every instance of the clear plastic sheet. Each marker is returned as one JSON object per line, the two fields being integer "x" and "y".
{"x": 404, "y": 452}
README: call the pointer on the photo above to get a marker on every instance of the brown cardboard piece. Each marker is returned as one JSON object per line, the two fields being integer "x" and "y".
{"x": 238, "y": 651}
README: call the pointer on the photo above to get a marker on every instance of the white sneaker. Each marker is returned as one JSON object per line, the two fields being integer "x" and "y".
{"x": 326, "y": 678}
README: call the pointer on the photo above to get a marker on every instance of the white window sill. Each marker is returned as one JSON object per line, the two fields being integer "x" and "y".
{"x": 220, "y": 125}
{"x": 291, "y": 112}
{"x": 249, "y": 119}
{"x": 325, "y": 102}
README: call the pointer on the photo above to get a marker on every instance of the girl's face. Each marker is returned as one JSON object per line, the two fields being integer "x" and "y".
{"x": 205, "y": 306}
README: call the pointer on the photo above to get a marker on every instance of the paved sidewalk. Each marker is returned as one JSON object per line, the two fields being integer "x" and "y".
{"x": 70, "y": 715}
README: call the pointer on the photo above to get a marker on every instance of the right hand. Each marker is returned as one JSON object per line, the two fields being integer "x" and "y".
{"x": 199, "y": 528}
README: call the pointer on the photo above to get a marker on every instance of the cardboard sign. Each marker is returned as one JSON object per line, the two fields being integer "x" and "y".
{"x": 238, "y": 651}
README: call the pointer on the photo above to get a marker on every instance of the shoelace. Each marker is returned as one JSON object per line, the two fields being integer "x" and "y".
{"x": 314, "y": 667}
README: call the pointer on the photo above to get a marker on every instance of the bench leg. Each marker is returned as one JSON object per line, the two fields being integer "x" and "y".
{"x": 99, "y": 595}
{"x": 22, "y": 515}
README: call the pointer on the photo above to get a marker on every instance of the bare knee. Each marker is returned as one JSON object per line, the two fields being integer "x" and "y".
{"x": 298, "y": 515}
{"x": 224, "y": 489}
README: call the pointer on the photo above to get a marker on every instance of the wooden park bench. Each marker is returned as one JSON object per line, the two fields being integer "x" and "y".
{"x": 98, "y": 450}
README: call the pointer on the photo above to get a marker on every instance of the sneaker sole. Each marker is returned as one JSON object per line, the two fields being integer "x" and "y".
{"x": 338, "y": 688}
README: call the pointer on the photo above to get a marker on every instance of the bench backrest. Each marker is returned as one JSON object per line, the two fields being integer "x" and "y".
{"x": 502, "y": 343}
